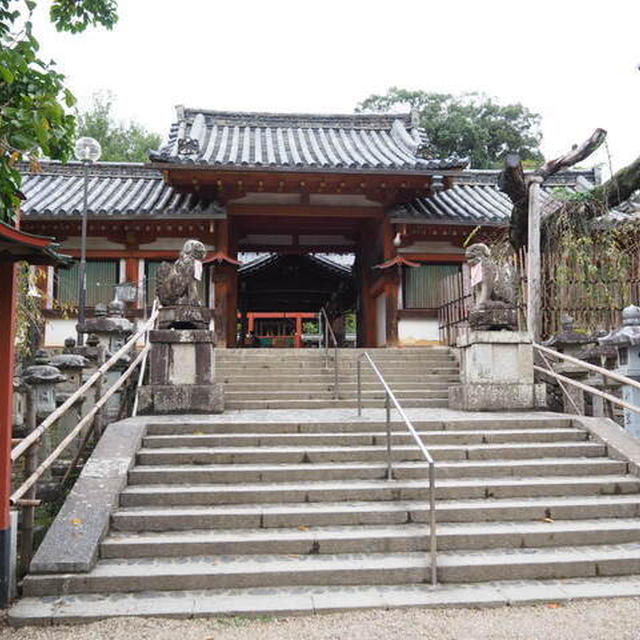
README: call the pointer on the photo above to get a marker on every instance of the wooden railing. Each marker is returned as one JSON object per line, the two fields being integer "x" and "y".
{"x": 24, "y": 496}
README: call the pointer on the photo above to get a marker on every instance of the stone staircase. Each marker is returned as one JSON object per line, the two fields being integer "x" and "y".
{"x": 303, "y": 379}
{"x": 291, "y": 513}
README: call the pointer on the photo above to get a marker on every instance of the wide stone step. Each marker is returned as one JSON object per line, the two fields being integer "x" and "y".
{"x": 309, "y": 600}
{"x": 312, "y": 454}
{"x": 370, "y": 539}
{"x": 297, "y": 393}
{"x": 327, "y": 377}
{"x": 232, "y": 571}
{"x": 327, "y": 385}
{"x": 363, "y": 438}
{"x": 446, "y": 489}
{"x": 243, "y": 425}
{"x": 249, "y": 516}
{"x": 234, "y": 473}
{"x": 425, "y": 403}
{"x": 225, "y": 572}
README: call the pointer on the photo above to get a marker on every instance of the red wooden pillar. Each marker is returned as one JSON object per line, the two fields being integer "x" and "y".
{"x": 7, "y": 350}
{"x": 297, "y": 343}
{"x": 392, "y": 288}
{"x": 131, "y": 275}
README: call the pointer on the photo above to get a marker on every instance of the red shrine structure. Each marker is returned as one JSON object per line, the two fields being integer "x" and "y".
{"x": 289, "y": 186}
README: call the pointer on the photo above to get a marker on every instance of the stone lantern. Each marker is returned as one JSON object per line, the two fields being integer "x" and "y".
{"x": 571, "y": 343}
{"x": 71, "y": 365}
{"x": 41, "y": 380}
{"x": 42, "y": 377}
{"x": 109, "y": 325}
{"x": 627, "y": 341}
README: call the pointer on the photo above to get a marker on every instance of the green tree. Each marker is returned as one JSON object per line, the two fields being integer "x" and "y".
{"x": 34, "y": 102}
{"x": 120, "y": 142}
{"x": 470, "y": 124}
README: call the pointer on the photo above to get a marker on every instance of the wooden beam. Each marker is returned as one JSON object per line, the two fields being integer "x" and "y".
{"x": 303, "y": 211}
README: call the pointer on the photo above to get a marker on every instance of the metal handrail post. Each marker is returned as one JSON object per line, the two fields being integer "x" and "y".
{"x": 389, "y": 398}
{"x": 328, "y": 331}
{"x": 335, "y": 372}
{"x": 432, "y": 523}
{"x": 359, "y": 386}
{"x": 387, "y": 406}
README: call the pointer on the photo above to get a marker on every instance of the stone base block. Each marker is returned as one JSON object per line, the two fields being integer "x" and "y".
{"x": 181, "y": 398}
{"x": 184, "y": 316}
{"x": 496, "y": 397}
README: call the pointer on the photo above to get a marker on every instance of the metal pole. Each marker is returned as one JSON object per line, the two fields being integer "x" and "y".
{"x": 432, "y": 523}
{"x": 359, "y": 387}
{"x": 30, "y": 465}
{"x": 387, "y": 406}
{"x": 336, "y": 395}
{"x": 82, "y": 292}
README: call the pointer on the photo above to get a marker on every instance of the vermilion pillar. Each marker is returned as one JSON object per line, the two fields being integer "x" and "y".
{"x": 7, "y": 340}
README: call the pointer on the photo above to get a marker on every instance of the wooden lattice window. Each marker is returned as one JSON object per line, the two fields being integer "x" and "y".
{"x": 102, "y": 276}
{"x": 422, "y": 285}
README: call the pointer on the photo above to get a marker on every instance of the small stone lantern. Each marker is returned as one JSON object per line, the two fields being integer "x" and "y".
{"x": 571, "y": 343}
{"x": 43, "y": 378}
{"x": 71, "y": 365}
{"x": 627, "y": 341}
{"x": 109, "y": 325}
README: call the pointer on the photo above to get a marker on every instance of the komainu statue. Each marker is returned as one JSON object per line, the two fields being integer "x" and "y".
{"x": 178, "y": 283}
{"x": 494, "y": 291}
{"x": 177, "y": 290}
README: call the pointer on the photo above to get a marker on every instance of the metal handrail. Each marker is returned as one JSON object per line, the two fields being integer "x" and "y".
{"x": 391, "y": 398}
{"x": 328, "y": 331}
{"x": 590, "y": 367}
{"x": 38, "y": 432}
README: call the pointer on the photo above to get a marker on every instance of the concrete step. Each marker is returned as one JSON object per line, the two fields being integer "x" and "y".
{"x": 256, "y": 394}
{"x": 236, "y": 473}
{"x": 331, "y": 404}
{"x": 327, "y": 385}
{"x": 377, "y": 490}
{"x": 309, "y": 600}
{"x": 363, "y": 438}
{"x": 232, "y": 571}
{"x": 251, "y": 516}
{"x": 242, "y": 425}
{"x": 301, "y": 369}
{"x": 313, "y": 454}
{"x": 370, "y": 539}
{"x": 327, "y": 376}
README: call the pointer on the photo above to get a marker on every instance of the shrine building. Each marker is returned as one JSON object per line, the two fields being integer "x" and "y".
{"x": 292, "y": 191}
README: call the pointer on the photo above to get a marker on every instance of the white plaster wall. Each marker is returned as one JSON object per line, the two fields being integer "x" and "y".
{"x": 56, "y": 330}
{"x": 381, "y": 320}
{"x": 412, "y": 331}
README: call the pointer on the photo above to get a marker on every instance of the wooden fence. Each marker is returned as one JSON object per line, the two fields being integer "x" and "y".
{"x": 595, "y": 304}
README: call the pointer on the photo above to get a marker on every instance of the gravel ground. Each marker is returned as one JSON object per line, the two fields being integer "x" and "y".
{"x": 613, "y": 619}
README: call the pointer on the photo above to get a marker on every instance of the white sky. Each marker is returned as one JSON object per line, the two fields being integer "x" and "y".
{"x": 575, "y": 62}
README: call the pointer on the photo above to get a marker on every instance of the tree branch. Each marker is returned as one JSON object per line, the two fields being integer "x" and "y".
{"x": 620, "y": 187}
{"x": 575, "y": 155}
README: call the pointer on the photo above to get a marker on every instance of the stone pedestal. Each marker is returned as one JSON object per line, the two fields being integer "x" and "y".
{"x": 496, "y": 372}
{"x": 181, "y": 374}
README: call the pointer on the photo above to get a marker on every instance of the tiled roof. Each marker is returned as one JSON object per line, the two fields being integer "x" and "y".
{"x": 300, "y": 142}
{"x": 122, "y": 190}
{"x": 115, "y": 190}
{"x": 476, "y": 199}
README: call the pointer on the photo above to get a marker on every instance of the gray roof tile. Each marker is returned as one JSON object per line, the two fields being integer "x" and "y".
{"x": 114, "y": 190}
{"x": 475, "y": 199}
{"x": 304, "y": 142}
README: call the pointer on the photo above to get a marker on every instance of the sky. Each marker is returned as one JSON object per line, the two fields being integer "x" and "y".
{"x": 574, "y": 62}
